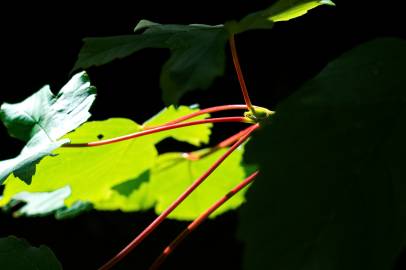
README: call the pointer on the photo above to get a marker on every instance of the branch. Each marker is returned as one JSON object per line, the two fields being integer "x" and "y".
{"x": 204, "y": 111}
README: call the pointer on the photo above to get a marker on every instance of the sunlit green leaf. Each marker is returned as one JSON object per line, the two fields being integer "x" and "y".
{"x": 282, "y": 10}
{"x": 332, "y": 193}
{"x": 93, "y": 172}
{"x": 41, "y": 120}
{"x": 17, "y": 254}
{"x": 173, "y": 174}
{"x": 195, "y": 135}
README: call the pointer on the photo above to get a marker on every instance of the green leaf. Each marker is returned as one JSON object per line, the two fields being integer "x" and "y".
{"x": 282, "y": 10}
{"x": 332, "y": 193}
{"x": 173, "y": 174}
{"x": 196, "y": 135}
{"x": 17, "y": 254}
{"x": 41, "y": 203}
{"x": 77, "y": 208}
{"x": 93, "y": 172}
{"x": 197, "y": 50}
{"x": 197, "y": 54}
{"x": 41, "y": 120}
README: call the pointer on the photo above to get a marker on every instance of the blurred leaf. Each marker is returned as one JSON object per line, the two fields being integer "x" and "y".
{"x": 74, "y": 210}
{"x": 93, "y": 172}
{"x": 17, "y": 254}
{"x": 41, "y": 120}
{"x": 332, "y": 193}
{"x": 197, "y": 54}
{"x": 282, "y": 10}
{"x": 41, "y": 203}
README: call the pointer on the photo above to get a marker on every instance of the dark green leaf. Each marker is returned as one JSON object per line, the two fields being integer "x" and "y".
{"x": 197, "y": 50}
{"x": 17, "y": 254}
{"x": 332, "y": 193}
{"x": 197, "y": 54}
{"x": 41, "y": 120}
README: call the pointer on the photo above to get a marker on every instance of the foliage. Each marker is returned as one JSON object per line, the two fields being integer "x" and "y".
{"x": 332, "y": 193}
{"x": 17, "y": 254}
{"x": 37, "y": 120}
{"x": 197, "y": 51}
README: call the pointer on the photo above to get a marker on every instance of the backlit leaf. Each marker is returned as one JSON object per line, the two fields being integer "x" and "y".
{"x": 93, "y": 172}
{"x": 282, "y": 10}
{"x": 173, "y": 174}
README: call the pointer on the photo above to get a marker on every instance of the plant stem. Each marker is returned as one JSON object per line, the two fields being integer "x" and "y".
{"x": 227, "y": 142}
{"x": 175, "y": 204}
{"x": 158, "y": 129}
{"x": 239, "y": 74}
{"x": 192, "y": 226}
{"x": 203, "y": 111}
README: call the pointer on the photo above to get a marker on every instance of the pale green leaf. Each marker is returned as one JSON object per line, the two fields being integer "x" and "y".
{"x": 41, "y": 120}
{"x": 41, "y": 203}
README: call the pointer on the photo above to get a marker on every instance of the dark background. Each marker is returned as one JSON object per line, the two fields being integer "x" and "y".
{"x": 39, "y": 45}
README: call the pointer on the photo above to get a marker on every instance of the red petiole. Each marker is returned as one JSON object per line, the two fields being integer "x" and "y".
{"x": 192, "y": 226}
{"x": 204, "y": 111}
{"x": 239, "y": 74}
{"x": 175, "y": 204}
{"x": 160, "y": 129}
{"x": 227, "y": 142}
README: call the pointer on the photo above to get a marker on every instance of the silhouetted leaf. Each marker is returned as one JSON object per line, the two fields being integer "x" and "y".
{"x": 332, "y": 192}
{"x": 17, "y": 254}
